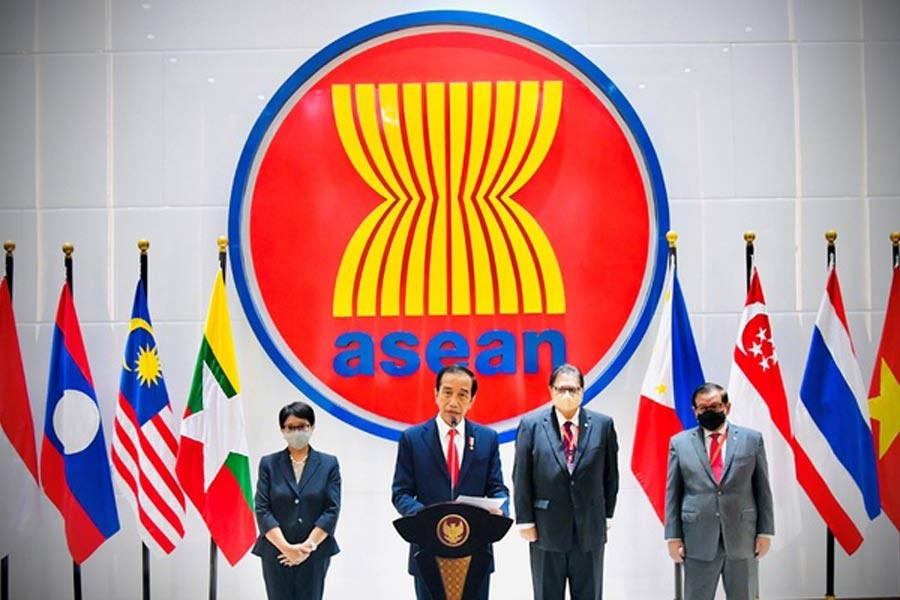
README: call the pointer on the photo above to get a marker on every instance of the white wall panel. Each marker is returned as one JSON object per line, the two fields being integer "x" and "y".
{"x": 17, "y": 122}
{"x": 882, "y": 90}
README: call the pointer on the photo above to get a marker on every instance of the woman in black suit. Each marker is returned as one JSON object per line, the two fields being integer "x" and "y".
{"x": 298, "y": 499}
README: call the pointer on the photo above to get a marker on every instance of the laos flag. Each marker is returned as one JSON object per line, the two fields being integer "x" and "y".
{"x": 75, "y": 470}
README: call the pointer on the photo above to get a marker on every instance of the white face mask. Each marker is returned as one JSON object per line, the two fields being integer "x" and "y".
{"x": 298, "y": 440}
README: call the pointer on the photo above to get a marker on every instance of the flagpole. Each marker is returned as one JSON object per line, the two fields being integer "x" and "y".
{"x": 143, "y": 246}
{"x": 895, "y": 257}
{"x": 68, "y": 249}
{"x": 672, "y": 238}
{"x": 213, "y": 550}
{"x": 749, "y": 251}
{"x": 830, "y": 236}
{"x": 9, "y": 246}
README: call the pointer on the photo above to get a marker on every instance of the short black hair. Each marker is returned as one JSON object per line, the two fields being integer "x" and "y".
{"x": 567, "y": 369}
{"x": 708, "y": 388}
{"x": 456, "y": 369}
{"x": 298, "y": 409}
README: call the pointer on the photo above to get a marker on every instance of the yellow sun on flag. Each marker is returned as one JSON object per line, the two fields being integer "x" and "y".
{"x": 148, "y": 367}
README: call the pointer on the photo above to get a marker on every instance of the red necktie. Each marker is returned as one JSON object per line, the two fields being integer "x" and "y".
{"x": 569, "y": 443}
{"x": 452, "y": 458}
{"x": 715, "y": 456}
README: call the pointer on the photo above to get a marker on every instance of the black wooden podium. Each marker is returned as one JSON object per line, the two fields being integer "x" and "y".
{"x": 453, "y": 541}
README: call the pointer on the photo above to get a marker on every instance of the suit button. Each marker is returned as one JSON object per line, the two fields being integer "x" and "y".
{"x": 719, "y": 492}
{"x": 301, "y": 520}
{"x": 717, "y": 514}
{"x": 297, "y": 500}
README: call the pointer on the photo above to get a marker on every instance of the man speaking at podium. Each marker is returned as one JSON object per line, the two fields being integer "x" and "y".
{"x": 446, "y": 457}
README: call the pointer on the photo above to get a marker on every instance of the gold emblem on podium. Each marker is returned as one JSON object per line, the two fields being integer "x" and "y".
{"x": 453, "y": 530}
{"x": 448, "y": 237}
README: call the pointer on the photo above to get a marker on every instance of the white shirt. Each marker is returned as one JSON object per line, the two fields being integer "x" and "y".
{"x": 444, "y": 435}
{"x": 562, "y": 422}
{"x": 723, "y": 440}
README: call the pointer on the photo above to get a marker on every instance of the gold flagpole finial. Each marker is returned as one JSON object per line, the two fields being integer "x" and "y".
{"x": 895, "y": 238}
{"x": 143, "y": 245}
{"x": 672, "y": 237}
{"x": 831, "y": 235}
{"x": 68, "y": 248}
{"x": 9, "y": 246}
{"x": 749, "y": 237}
{"x": 223, "y": 243}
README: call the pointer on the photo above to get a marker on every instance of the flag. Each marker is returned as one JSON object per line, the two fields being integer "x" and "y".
{"x": 18, "y": 452}
{"x": 831, "y": 424}
{"x": 74, "y": 465}
{"x": 665, "y": 406}
{"x": 144, "y": 446}
{"x": 884, "y": 406}
{"x": 758, "y": 400}
{"x": 213, "y": 465}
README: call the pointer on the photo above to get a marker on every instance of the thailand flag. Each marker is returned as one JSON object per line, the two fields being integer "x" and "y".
{"x": 832, "y": 425}
{"x": 665, "y": 406}
{"x": 75, "y": 469}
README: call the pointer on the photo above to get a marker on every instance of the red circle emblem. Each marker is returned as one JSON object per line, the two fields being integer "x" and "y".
{"x": 431, "y": 190}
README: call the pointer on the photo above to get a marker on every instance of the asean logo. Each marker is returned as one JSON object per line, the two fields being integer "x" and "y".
{"x": 446, "y": 187}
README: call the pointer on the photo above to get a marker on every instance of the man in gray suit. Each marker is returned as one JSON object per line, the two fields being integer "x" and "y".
{"x": 719, "y": 514}
{"x": 566, "y": 478}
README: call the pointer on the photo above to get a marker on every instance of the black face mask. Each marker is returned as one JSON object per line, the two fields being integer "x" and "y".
{"x": 711, "y": 419}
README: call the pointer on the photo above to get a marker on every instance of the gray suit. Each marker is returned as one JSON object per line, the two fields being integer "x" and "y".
{"x": 569, "y": 510}
{"x": 719, "y": 522}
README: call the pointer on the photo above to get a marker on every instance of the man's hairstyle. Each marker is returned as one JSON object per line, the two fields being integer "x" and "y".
{"x": 567, "y": 369}
{"x": 456, "y": 369}
{"x": 298, "y": 409}
{"x": 708, "y": 388}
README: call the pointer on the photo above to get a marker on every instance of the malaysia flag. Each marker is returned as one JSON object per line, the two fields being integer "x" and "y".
{"x": 831, "y": 424}
{"x": 665, "y": 406}
{"x": 75, "y": 469}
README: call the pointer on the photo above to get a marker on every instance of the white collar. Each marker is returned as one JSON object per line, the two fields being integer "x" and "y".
{"x": 443, "y": 428}
{"x": 722, "y": 429}
{"x": 561, "y": 419}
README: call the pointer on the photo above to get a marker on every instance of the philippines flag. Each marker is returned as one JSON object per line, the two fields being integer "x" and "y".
{"x": 144, "y": 445}
{"x": 665, "y": 406}
{"x": 758, "y": 400}
{"x": 831, "y": 424}
{"x": 74, "y": 465}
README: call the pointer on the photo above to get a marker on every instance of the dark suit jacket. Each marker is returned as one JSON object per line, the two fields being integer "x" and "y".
{"x": 740, "y": 506}
{"x": 297, "y": 507}
{"x": 547, "y": 495}
{"x": 421, "y": 477}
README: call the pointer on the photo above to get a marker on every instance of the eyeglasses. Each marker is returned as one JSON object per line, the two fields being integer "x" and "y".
{"x": 296, "y": 428}
{"x": 716, "y": 406}
{"x": 567, "y": 389}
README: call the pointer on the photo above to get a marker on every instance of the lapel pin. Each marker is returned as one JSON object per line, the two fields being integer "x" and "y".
{"x": 471, "y": 443}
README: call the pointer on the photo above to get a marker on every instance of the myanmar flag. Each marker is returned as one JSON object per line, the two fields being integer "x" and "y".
{"x": 212, "y": 465}
{"x": 884, "y": 406}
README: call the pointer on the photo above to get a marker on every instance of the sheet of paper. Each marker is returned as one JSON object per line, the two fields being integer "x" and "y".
{"x": 485, "y": 503}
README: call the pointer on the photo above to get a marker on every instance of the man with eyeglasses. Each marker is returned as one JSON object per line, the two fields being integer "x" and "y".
{"x": 447, "y": 457}
{"x": 719, "y": 513}
{"x": 566, "y": 478}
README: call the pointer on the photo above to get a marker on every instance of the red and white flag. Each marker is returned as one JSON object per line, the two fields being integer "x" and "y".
{"x": 18, "y": 451}
{"x": 758, "y": 401}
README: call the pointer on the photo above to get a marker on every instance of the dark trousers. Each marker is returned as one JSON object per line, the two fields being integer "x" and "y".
{"x": 551, "y": 570}
{"x": 422, "y": 592}
{"x": 306, "y": 581}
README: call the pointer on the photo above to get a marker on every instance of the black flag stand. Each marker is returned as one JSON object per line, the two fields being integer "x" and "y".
{"x": 672, "y": 238}
{"x": 213, "y": 550}
{"x": 749, "y": 257}
{"x": 9, "y": 246}
{"x": 831, "y": 259}
{"x": 143, "y": 246}
{"x": 68, "y": 249}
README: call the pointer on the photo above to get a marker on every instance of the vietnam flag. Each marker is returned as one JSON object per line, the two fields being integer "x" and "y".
{"x": 213, "y": 464}
{"x": 884, "y": 406}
